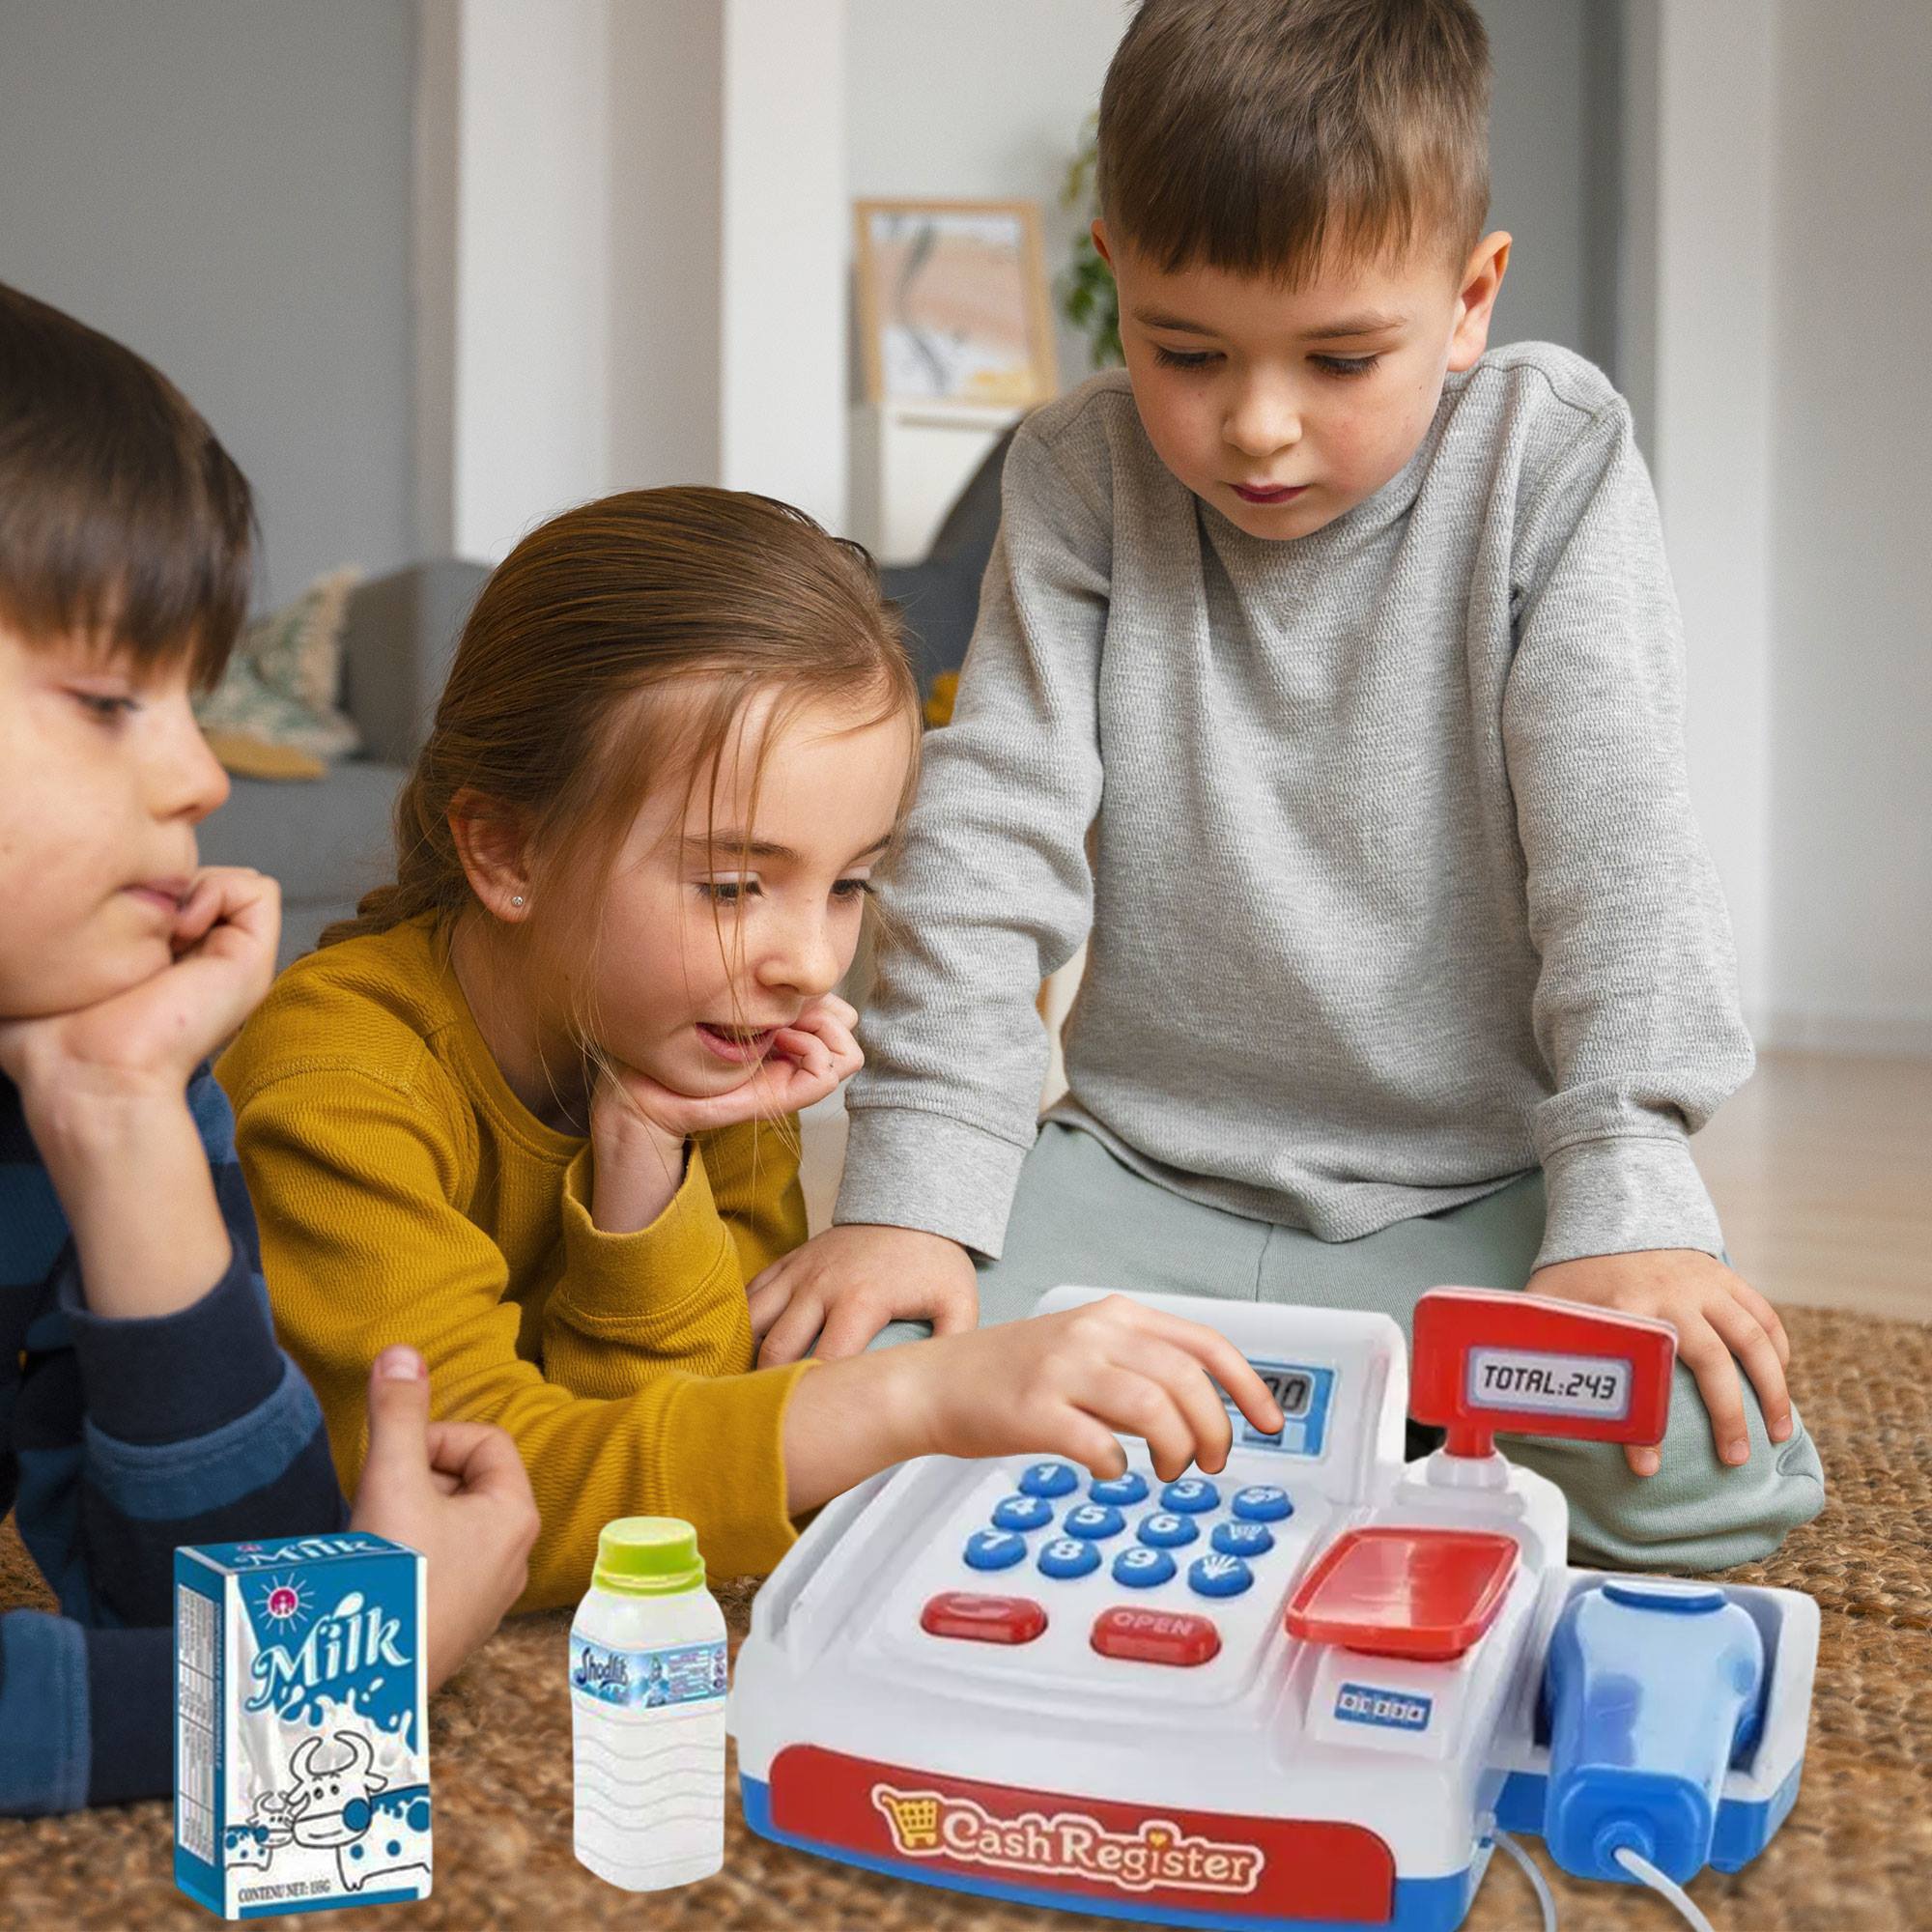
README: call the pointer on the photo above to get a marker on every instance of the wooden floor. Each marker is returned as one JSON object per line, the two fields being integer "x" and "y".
{"x": 1821, "y": 1169}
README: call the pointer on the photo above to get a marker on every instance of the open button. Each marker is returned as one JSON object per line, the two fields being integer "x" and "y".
{"x": 1155, "y": 1636}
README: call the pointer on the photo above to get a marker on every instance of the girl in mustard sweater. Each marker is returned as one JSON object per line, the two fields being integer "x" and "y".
{"x": 529, "y": 1110}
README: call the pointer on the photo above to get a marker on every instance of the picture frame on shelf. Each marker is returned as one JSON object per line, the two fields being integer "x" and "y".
{"x": 952, "y": 302}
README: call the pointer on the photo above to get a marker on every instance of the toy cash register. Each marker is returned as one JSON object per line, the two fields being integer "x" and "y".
{"x": 1308, "y": 1691}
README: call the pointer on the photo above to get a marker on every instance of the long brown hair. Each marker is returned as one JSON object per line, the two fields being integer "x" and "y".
{"x": 615, "y": 649}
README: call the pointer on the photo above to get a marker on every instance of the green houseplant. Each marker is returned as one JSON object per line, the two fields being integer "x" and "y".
{"x": 1088, "y": 297}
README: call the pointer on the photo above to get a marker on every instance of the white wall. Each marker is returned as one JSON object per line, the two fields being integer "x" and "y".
{"x": 225, "y": 185}
{"x": 1851, "y": 824}
{"x": 1783, "y": 205}
{"x": 1711, "y": 278}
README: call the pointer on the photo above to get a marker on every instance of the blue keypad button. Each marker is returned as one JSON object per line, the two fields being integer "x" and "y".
{"x": 1096, "y": 1521}
{"x": 994, "y": 1549}
{"x": 1218, "y": 1575}
{"x": 1068, "y": 1556}
{"x": 1022, "y": 1512}
{"x": 1050, "y": 1479}
{"x": 1242, "y": 1539}
{"x": 1165, "y": 1530}
{"x": 1191, "y": 1493}
{"x": 1141, "y": 1567}
{"x": 1126, "y": 1489}
{"x": 1262, "y": 1502}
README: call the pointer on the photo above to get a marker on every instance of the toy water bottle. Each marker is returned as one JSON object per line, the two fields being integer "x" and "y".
{"x": 647, "y": 1681}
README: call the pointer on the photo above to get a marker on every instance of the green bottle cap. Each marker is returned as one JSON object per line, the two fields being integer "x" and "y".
{"x": 648, "y": 1556}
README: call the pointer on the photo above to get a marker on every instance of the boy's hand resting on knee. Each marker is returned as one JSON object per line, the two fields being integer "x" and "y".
{"x": 457, "y": 1492}
{"x": 844, "y": 1286}
{"x": 1718, "y": 1315}
{"x": 1053, "y": 1384}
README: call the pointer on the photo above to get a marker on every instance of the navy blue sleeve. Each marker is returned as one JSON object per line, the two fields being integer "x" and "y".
{"x": 86, "y": 1715}
{"x": 128, "y": 1437}
{"x": 198, "y": 1428}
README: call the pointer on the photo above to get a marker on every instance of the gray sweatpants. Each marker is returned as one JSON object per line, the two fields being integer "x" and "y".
{"x": 1082, "y": 1216}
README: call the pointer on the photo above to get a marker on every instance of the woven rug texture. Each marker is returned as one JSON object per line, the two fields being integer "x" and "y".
{"x": 1855, "y": 1855}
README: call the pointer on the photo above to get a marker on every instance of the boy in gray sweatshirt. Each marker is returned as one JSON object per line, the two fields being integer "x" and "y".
{"x": 1328, "y": 684}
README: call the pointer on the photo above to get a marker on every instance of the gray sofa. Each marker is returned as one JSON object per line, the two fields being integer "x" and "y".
{"x": 327, "y": 840}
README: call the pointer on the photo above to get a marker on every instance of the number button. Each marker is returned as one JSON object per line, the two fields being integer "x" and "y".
{"x": 1164, "y": 1530}
{"x": 1050, "y": 1479}
{"x": 1141, "y": 1567}
{"x": 1242, "y": 1539}
{"x": 1126, "y": 1489}
{"x": 1095, "y": 1521}
{"x": 1022, "y": 1512}
{"x": 1067, "y": 1557}
{"x": 1218, "y": 1575}
{"x": 994, "y": 1549}
{"x": 1262, "y": 1502}
{"x": 1191, "y": 1495}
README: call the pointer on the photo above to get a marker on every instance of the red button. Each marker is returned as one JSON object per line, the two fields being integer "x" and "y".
{"x": 982, "y": 1619}
{"x": 1155, "y": 1636}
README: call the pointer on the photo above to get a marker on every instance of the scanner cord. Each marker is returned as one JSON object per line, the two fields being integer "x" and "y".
{"x": 1536, "y": 1880}
{"x": 1646, "y": 1873}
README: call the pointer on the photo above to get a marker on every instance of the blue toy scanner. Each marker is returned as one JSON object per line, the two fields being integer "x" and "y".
{"x": 1309, "y": 1691}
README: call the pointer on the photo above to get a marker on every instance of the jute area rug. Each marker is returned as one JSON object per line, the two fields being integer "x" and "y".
{"x": 1855, "y": 1855}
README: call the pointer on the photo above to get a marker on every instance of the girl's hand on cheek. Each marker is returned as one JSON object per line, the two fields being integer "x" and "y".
{"x": 806, "y": 1061}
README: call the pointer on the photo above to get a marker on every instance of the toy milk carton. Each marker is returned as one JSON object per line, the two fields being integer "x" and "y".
{"x": 302, "y": 1758}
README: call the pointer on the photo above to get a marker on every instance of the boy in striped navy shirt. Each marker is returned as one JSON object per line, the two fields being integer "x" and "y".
{"x": 144, "y": 1401}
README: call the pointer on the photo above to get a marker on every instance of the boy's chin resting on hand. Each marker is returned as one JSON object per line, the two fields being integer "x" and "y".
{"x": 1723, "y": 1323}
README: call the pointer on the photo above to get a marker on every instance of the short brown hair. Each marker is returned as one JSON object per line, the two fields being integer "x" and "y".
{"x": 614, "y": 650}
{"x": 122, "y": 519}
{"x": 1254, "y": 134}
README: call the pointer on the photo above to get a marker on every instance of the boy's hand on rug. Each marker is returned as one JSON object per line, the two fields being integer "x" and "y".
{"x": 1053, "y": 1384}
{"x": 1718, "y": 1315}
{"x": 844, "y": 1286}
{"x": 454, "y": 1490}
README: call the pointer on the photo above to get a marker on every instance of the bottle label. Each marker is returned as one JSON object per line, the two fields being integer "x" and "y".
{"x": 642, "y": 1680}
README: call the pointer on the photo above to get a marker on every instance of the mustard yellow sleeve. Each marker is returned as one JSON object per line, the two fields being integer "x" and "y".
{"x": 753, "y": 1172}
{"x": 355, "y": 1182}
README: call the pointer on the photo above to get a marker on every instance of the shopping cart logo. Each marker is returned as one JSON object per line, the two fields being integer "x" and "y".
{"x": 1157, "y": 1855}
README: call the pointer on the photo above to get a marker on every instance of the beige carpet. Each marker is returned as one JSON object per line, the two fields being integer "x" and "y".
{"x": 1855, "y": 1855}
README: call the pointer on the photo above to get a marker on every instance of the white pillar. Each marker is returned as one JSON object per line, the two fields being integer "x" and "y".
{"x": 630, "y": 256}
{"x": 783, "y": 400}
